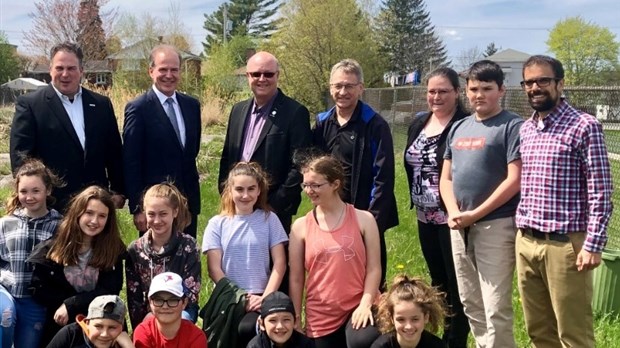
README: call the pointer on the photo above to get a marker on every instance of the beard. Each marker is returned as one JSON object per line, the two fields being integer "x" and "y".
{"x": 546, "y": 104}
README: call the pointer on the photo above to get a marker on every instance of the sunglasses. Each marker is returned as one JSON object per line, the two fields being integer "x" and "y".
{"x": 258, "y": 74}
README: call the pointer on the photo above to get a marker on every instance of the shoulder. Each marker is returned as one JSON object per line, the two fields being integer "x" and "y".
{"x": 430, "y": 340}
{"x": 186, "y": 98}
{"x": 36, "y": 95}
{"x": 98, "y": 97}
{"x": 298, "y": 228}
{"x": 387, "y": 340}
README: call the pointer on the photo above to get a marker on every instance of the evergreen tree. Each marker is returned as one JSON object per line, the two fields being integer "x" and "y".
{"x": 490, "y": 50}
{"x": 248, "y": 17}
{"x": 91, "y": 36}
{"x": 9, "y": 61}
{"x": 407, "y": 38}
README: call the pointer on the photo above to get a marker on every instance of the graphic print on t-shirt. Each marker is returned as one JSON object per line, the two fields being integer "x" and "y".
{"x": 469, "y": 143}
{"x": 326, "y": 249}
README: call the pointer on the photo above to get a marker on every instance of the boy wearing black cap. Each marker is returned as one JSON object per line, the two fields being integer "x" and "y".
{"x": 102, "y": 328}
{"x": 277, "y": 324}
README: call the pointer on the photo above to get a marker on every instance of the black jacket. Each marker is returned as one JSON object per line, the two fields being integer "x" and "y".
{"x": 372, "y": 181}
{"x": 415, "y": 128}
{"x": 223, "y": 313}
{"x": 297, "y": 340}
{"x": 51, "y": 289}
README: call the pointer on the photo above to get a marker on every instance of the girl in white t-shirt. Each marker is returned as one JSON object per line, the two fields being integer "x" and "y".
{"x": 241, "y": 241}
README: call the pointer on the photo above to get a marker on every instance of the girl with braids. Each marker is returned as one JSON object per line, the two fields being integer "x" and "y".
{"x": 243, "y": 238}
{"x": 163, "y": 248}
{"x": 82, "y": 261}
{"x": 410, "y": 306}
{"x": 28, "y": 222}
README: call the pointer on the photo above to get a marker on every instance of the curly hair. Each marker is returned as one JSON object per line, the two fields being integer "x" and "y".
{"x": 430, "y": 300}
{"x": 176, "y": 200}
{"x": 251, "y": 169}
{"x": 107, "y": 246}
{"x": 33, "y": 167}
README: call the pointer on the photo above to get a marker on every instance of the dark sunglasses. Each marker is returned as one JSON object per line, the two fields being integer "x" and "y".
{"x": 258, "y": 74}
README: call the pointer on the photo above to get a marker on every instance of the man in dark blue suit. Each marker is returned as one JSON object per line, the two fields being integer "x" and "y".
{"x": 71, "y": 129}
{"x": 161, "y": 138}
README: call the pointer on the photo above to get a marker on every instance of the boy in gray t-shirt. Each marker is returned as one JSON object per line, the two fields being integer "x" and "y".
{"x": 479, "y": 186}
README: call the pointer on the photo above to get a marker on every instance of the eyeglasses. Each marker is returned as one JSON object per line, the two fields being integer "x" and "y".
{"x": 171, "y": 302}
{"x": 440, "y": 92}
{"x": 266, "y": 74}
{"x": 313, "y": 187}
{"x": 541, "y": 82}
{"x": 347, "y": 87}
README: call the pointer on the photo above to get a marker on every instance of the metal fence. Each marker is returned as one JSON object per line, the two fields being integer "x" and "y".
{"x": 399, "y": 105}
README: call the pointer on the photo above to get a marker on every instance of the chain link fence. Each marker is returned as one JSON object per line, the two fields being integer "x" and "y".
{"x": 400, "y": 104}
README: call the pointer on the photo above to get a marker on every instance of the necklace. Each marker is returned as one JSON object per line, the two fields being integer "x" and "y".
{"x": 344, "y": 207}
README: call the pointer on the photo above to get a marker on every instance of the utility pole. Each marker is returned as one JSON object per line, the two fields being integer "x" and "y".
{"x": 225, "y": 24}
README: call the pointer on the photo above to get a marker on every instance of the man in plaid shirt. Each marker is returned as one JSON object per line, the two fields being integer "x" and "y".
{"x": 563, "y": 213}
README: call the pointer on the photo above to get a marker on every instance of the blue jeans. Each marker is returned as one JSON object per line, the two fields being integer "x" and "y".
{"x": 22, "y": 321}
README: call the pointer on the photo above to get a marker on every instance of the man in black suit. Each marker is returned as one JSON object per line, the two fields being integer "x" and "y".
{"x": 161, "y": 138}
{"x": 267, "y": 129}
{"x": 71, "y": 129}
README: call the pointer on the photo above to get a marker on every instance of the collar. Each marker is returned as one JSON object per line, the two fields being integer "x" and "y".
{"x": 551, "y": 117}
{"x": 354, "y": 116}
{"x": 64, "y": 97}
{"x": 266, "y": 107}
{"x": 162, "y": 97}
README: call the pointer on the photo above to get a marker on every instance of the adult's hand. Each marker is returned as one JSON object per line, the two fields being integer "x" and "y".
{"x": 139, "y": 220}
{"x": 361, "y": 317}
{"x": 587, "y": 260}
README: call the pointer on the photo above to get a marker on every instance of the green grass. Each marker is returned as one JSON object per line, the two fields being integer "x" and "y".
{"x": 404, "y": 254}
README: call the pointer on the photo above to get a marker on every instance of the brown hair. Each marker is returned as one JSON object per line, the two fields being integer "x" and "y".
{"x": 69, "y": 47}
{"x": 416, "y": 290}
{"x": 176, "y": 200}
{"x": 329, "y": 167}
{"x": 33, "y": 167}
{"x": 106, "y": 246}
{"x": 251, "y": 169}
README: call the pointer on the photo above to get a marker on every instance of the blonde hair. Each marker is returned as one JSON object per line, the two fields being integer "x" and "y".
{"x": 430, "y": 300}
{"x": 251, "y": 169}
{"x": 176, "y": 200}
{"x": 106, "y": 246}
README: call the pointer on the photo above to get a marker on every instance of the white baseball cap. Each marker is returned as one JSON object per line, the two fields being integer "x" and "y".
{"x": 168, "y": 282}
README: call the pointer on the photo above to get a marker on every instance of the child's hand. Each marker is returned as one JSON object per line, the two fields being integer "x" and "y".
{"x": 253, "y": 303}
{"x": 361, "y": 317}
{"x": 61, "y": 317}
{"x": 124, "y": 341}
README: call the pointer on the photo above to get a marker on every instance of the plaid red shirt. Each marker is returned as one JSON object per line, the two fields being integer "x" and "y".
{"x": 566, "y": 180}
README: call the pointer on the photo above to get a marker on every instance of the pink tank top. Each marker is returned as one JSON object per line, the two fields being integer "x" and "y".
{"x": 335, "y": 263}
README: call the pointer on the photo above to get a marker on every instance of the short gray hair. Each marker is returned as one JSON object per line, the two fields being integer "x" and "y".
{"x": 349, "y": 66}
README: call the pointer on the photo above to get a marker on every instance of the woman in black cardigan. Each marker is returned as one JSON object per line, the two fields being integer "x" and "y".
{"x": 423, "y": 159}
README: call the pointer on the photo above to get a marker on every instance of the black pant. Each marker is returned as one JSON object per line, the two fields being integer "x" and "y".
{"x": 247, "y": 329}
{"x": 346, "y": 336}
{"x": 383, "y": 250}
{"x": 437, "y": 250}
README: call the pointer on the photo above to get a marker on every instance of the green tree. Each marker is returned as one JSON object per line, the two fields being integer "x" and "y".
{"x": 490, "y": 50}
{"x": 248, "y": 17}
{"x": 407, "y": 38}
{"x": 221, "y": 73}
{"x": 91, "y": 36}
{"x": 309, "y": 43}
{"x": 585, "y": 49}
{"x": 9, "y": 61}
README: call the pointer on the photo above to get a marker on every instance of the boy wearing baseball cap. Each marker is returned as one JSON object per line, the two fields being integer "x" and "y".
{"x": 101, "y": 328}
{"x": 277, "y": 324}
{"x": 165, "y": 328}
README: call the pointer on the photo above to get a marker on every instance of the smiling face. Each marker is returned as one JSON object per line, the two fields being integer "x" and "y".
{"x": 159, "y": 215}
{"x": 94, "y": 218}
{"x": 66, "y": 73}
{"x": 103, "y": 332}
{"x": 484, "y": 97}
{"x": 345, "y": 89}
{"x": 165, "y": 314}
{"x": 441, "y": 96}
{"x": 318, "y": 188}
{"x": 409, "y": 323}
{"x": 542, "y": 99}
{"x": 165, "y": 70}
{"x": 263, "y": 87}
{"x": 279, "y": 327}
{"x": 245, "y": 192}
{"x": 32, "y": 195}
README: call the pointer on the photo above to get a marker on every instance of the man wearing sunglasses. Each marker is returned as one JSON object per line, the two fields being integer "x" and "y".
{"x": 563, "y": 213}
{"x": 267, "y": 129}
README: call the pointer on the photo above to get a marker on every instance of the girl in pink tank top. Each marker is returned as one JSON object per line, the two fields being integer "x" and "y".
{"x": 334, "y": 254}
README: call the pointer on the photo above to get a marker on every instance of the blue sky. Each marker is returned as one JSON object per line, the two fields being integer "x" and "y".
{"x": 518, "y": 24}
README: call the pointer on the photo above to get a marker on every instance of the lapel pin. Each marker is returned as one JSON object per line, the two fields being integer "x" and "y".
{"x": 93, "y": 105}
{"x": 273, "y": 113}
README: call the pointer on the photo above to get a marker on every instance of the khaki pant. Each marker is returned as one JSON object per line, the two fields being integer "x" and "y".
{"x": 556, "y": 298}
{"x": 484, "y": 264}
